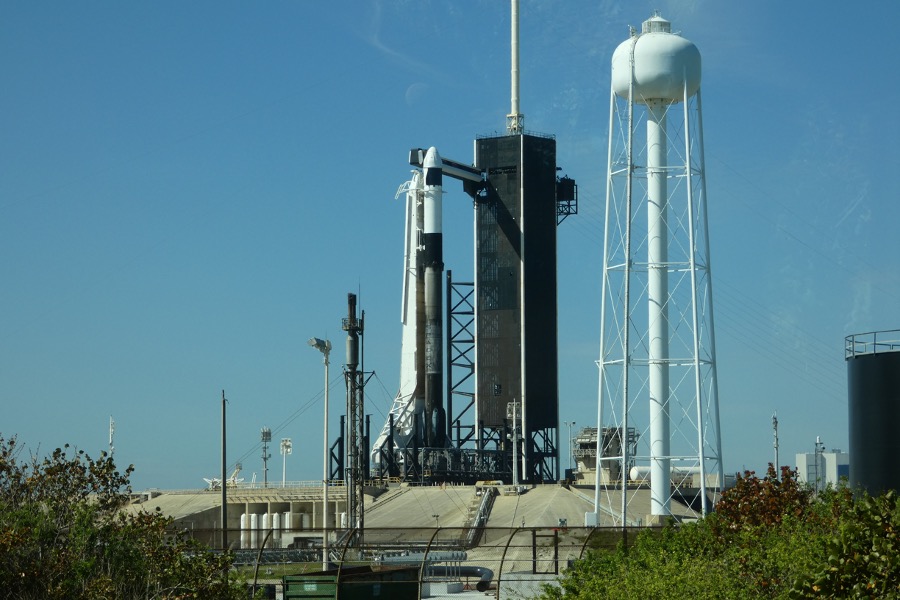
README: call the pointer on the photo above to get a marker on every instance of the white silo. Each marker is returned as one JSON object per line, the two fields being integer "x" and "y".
{"x": 657, "y": 381}
{"x": 245, "y": 527}
{"x": 254, "y": 530}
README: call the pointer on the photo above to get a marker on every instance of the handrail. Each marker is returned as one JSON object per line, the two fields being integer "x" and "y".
{"x": 872, "y": 342}
{"x": 479, "y": 519}
{"x": 301, "y": 486}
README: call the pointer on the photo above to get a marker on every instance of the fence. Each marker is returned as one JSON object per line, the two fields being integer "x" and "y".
{"x": 505, "y": 563}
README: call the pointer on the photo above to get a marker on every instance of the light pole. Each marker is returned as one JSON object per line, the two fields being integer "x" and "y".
{"x": 265, "y": 436}
{"x": 286, "y": 448}
{"x": 511, "y": 410}
{"x": 775, "y": 444}
{"x": 324, "y": 346}
{"x": 570, "y": 424}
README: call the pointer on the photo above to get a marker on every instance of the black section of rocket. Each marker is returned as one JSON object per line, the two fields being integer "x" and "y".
{"x": 435, "y": 429}
{"x": 419, "y": 393}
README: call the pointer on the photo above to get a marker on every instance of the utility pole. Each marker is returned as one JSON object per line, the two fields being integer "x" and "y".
{"x": 112, "y": 430}
{"x": 775, "y": 428}
{"x": 223, "y": 484}
{"x": 820, "y": 449}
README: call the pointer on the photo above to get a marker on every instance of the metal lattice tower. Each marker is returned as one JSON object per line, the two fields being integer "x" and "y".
{"x": 356, "y": 441}
{"x": 657, "y": 364}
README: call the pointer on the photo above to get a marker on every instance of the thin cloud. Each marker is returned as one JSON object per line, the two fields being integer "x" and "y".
{"x": 407, "y": 61}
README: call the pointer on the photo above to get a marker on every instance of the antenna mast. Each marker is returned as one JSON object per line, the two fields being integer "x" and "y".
{"x": 515, "y": 121}
{"x": 265, "y": 435}
{"x": 775, "y": 444}
{"x": 112, "y": 430}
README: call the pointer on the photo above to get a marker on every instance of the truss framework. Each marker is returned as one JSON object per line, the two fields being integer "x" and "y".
{"x": 693, "y": 455}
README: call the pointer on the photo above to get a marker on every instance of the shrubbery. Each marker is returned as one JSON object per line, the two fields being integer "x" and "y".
{"x": 64, "y": 535}
{"x": 770, "y": 537}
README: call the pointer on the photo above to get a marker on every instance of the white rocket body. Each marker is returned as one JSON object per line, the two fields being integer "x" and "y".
{"x": 434, "y": 434}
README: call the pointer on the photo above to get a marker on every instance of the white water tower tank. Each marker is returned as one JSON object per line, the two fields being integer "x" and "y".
{"x": 663, "y": 63}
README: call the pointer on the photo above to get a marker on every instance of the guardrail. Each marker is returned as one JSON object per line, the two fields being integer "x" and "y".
{"x": 256, "y": 487}
{"x": 872, "y": 342}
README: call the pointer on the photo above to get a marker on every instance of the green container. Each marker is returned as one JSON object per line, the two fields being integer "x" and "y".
{"x": 362, "y": 583}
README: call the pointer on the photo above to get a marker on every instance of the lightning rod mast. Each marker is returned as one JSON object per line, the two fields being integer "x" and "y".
{"x": 112, "y": 431}
{"x": 356, "y": 451}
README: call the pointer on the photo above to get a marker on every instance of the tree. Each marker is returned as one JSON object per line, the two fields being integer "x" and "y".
{"x": 64, "y": 535}
{"x": 762, "y": 502}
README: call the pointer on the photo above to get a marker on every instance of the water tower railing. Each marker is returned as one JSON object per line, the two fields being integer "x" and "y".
{"x": 872, "y": 342}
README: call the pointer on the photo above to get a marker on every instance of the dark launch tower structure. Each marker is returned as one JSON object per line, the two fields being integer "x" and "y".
{"x": 515, "y": 299}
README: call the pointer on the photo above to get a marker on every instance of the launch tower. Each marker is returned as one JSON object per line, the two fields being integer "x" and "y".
{"x": 510, "y": 324}
{"x": 516, "y": 358}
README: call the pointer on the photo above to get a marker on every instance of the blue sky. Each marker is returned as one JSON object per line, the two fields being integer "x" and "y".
{"x": 189, "y": 191}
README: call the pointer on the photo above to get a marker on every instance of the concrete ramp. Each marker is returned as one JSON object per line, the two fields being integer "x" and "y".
{"x": 417, "y": 506}
{"x": 541, "y": 506}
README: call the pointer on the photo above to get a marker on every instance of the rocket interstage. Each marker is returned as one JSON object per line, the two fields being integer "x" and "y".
{"x": 434, "y": 435}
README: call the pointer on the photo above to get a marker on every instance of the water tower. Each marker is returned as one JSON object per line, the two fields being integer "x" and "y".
{"x": 658, "y": 421}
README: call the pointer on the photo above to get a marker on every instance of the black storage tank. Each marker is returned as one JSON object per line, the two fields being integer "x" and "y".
{"x": 873, "y": 381}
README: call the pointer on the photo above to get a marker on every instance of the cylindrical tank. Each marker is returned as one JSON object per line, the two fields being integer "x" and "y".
{"x": 664, "y": 64}
{"x": 254, "y": 530}
{"x": 678, "y": 474}
{"x": 276, "y": 527}
{"x": 873, "y": 384}
{"x": 265, "y": 525}
{"x": 245, "y": 526}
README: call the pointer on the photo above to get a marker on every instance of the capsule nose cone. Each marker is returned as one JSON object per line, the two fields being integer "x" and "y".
{"x": 432, "y": 159}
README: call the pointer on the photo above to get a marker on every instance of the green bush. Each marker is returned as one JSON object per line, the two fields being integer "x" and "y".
{"x": 64, "y": 535}
{"x": 770, "y": 537}
{"x": 862, "y": 555}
